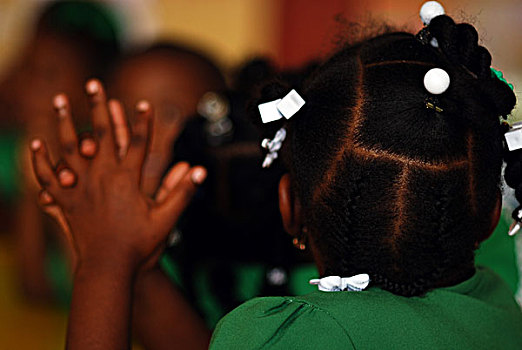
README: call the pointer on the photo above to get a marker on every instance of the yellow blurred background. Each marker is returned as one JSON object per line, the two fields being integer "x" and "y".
{"x": 234, "y": 30}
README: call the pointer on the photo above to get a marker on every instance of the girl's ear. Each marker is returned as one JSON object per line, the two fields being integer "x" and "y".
{"x": 290, "y": 207}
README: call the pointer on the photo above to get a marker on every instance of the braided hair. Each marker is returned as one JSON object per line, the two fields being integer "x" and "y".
{"x": 389, "y": 187}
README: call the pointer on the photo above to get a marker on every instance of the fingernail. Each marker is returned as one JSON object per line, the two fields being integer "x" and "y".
{"x": 66, "y": 177}
{"x": 36, "y": 144}
{"x": 46, "y": 198}
{"x": 88, "y": 147}
{"x": 59, "y": 101}
{"x": 92, "y": 87}
{"x": 198, "y": 176}
{"x": 142, "y": 106}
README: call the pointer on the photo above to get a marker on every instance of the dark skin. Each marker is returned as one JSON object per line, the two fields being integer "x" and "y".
{"x": 173, "y": 84}
{"x": 157, "y": 303}
{"x": 117, "y": 232}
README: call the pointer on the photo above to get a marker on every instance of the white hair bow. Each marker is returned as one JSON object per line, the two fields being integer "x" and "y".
{"x": 282, "y": 107}
{"x": 275, "y": 110}
{"x": 273, "y": 146}
{"x": 335, "y": 283}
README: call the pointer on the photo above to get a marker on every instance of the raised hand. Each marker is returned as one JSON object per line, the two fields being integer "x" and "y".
{"x": 100, "y": 197}
{"x": 114, "y": 227}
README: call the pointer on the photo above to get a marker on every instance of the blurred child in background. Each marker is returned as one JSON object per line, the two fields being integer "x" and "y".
{"x": 173, "y": 78}
{"x": 72, "y": 42}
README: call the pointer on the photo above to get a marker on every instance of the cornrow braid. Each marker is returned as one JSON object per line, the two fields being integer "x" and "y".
{"x": 459, "y": 43}
{"x": 387, "y": 186}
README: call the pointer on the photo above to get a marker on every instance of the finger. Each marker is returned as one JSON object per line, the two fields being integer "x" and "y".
{"x": 42, "y": 167}
{"x": 45, "y": 198}
{"x": 100, "y": 119}
{"x": 66, "y": 178}
{"x": 50, "y": 207}
{"x": 174, "y": 175}
{"x": 121, "y": 128}
{"x": 66, "y": 131}
{"x": 177, "y": 200}
{"x": 88, "y": 147}
{"x": 55, "y": 212}
{"x": 65, "y": 175}
{"x": 140, "y": 137}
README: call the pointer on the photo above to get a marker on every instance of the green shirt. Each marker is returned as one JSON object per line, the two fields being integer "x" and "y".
{"x": 479, "y": 313}
{"x": 9, "y": 170}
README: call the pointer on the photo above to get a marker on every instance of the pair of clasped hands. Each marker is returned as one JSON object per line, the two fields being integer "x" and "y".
{"x": 94, "y": 190}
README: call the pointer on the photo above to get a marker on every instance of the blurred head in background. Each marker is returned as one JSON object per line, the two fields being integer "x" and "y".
{"x": 72, "y": 41}
{"x": 173, "y": 78}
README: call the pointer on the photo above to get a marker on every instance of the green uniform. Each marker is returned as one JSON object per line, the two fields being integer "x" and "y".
{"x": 479, "y": 313}
{"x": 9, "y": 170}
{"x": 499, "y": 253}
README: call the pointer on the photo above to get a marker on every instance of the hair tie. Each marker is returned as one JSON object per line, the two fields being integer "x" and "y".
{"x": 514, "y": 137}
{"x": 430, "y": 10}
{"x": 273, "y": 146}
{"x": 275, "y": 110}
{"x": 436, "y": 81}
{"x": 355, "y": 283}
{"x": 283, "y": 107}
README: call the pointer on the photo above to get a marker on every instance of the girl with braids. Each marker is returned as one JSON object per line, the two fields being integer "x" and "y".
{"x": 389, "y": 178}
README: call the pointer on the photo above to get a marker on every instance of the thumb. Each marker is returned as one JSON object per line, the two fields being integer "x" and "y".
{"x": 170, "y": 209}
{"x": 50, "y": 207}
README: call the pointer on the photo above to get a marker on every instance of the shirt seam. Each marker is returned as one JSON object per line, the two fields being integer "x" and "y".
{"x": 313, "y": 306}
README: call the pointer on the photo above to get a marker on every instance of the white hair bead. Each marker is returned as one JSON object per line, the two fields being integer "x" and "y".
{"x": 436, "y": 81}
{"x": 430, "y": 10}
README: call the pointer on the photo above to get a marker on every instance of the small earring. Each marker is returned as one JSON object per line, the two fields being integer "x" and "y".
{"x": 298, "y": 244}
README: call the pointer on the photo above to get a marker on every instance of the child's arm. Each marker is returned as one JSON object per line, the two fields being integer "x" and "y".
{"x": 99, "y": 317}
{"x": 115, "y": 228}
{"x": 164, "y": 319}
{"x": 162, "y": 316}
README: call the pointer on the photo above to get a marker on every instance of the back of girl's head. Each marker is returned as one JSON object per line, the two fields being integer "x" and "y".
{"x": 389, "y": 187}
